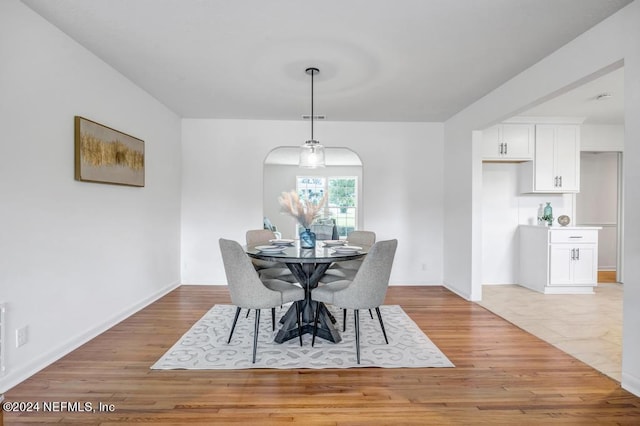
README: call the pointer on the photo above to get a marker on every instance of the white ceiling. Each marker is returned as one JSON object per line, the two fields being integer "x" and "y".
{"x": 583, "y": 101}
{"x": 379, "y": 60}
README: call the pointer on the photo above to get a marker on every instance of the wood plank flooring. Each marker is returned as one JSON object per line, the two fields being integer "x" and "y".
{"x": 607, "y": 277}
{"x": 503, "y": 375}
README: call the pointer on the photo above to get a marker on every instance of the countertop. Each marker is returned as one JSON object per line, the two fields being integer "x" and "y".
{"x": 558, "y": 227}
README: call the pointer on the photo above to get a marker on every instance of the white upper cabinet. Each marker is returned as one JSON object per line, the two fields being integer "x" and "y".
{"x": 556, "y": 164}
{"x": 508, "y": 142}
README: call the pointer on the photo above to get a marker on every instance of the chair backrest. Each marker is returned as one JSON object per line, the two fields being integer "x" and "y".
{"x": 245, "y": 287}
{"x": 369, "y": 287}
{"x": 256, "y": 237}
{"x": 361, "y": 238}
{"x": 323, "y": 232}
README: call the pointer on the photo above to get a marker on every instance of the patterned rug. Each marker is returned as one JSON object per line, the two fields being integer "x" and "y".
{"x": 205, "y": 346}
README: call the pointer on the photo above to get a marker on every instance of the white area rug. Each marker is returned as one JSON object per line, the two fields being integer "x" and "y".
{"x": 205, "y": 346}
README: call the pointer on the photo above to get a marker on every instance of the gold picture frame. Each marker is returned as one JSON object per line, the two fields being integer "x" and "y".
{"x": 106, "y": 155}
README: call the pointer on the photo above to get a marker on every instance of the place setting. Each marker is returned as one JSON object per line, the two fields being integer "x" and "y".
{"x": 274, "y": 248}
{"x": 282, "y": 242}
{"x": 346, "y": 249}
{"x": 334, "y": 243}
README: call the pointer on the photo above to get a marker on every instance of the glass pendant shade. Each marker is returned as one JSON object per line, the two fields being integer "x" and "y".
{"x": 311, "y": 155}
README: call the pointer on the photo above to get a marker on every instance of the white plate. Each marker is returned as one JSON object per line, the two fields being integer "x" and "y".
{"x": 333, "y": 243}
{"x": 282, "y": 242}
{"x": 271, "y": 249}
{"x": 346, "y": 249}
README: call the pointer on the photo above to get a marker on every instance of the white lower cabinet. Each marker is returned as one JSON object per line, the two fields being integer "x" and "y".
{"x": 559, "y": 260}
{"x": 572, "y": 264}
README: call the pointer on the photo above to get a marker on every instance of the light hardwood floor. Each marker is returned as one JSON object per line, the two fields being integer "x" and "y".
{"x": 502, "y": 375}
{"x": 607, "y": 277}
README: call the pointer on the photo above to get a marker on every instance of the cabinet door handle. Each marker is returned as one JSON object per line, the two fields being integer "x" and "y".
{"x": 555, "y": 182}
{"x": 573, "y": 254}
{"x": 500, "y": 149}
{"x": 578, "y": 254}
{"x": 505, "y": 148}
{"x": 575, "y": 236}
{"x": 560, "y": 181}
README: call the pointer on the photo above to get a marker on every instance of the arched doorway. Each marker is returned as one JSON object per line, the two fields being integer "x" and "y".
{"x": 343, "y": 168}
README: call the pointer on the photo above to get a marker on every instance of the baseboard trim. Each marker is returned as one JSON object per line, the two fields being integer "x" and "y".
{"x": 631, "y": 383}
{"x": 455, "y": 291}
{"x": 14, "y": 378}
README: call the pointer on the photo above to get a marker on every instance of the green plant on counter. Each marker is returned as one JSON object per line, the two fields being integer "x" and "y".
{"x": 548, "y": 219}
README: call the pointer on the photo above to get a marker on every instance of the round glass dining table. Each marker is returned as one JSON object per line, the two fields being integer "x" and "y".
{"x": 307, "y": 266}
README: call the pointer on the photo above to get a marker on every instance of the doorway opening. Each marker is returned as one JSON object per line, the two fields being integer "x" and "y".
{"x": 599, "y": 204}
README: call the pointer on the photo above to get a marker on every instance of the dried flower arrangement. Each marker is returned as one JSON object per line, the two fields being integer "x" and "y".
{"x": 304, "y": 211}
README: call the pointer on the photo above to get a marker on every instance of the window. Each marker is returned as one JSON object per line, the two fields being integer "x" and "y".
{"x": 342, "y": 198}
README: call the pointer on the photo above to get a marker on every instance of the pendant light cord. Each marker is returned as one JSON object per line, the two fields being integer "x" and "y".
{"x": 312, "y": 72}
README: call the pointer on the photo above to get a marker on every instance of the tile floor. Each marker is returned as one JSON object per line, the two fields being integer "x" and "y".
{"x": 588, "y": 327}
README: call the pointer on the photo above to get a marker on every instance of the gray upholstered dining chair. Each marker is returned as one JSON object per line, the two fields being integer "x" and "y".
{"x": 249, "y": 292}
{"x": 361, "y": 238}
{"x": 325, "y": 229}
{"x": 256, "y": 237}
{"x": 346, "y": 270}
{"x": 367, "y": 290}
{"x": 267, "y": 270}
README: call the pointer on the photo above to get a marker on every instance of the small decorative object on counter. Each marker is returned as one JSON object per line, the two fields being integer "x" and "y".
{"x": 548, "y": 214}
{"x": 540, "y": 214}
{"x": 564, "y": 220}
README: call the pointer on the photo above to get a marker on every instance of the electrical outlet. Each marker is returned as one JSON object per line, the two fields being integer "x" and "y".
{"x": 21, "y": 336}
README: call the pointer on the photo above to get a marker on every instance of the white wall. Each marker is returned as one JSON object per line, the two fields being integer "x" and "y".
{"x": 602, "y": 137}
{"x": 402, "y": 185}
{"x": 595, "y": 52}
{"x": 631, "y": 169}
{"x": 75, "y": 257}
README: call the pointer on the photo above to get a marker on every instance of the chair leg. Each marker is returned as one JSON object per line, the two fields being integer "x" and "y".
{"x": 344, "y": 320}
{"x": 315, "y": 324}
{"x": 298, "y": 320}
{"x": 235, "y": 320}
{"x": 370, "y": 314}
{"x": 356, "y": 320}
{"x": 248, "y": 312}
{"x": 273, "y": 319}
{"x": 255, "y": 334}
{"x": 382, "y": 325}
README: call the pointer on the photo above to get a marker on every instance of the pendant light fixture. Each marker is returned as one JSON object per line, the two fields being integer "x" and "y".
{"x": 312, "y": 153}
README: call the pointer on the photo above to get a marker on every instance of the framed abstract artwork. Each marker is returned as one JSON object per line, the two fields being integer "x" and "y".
{"x": 105, "y": 155}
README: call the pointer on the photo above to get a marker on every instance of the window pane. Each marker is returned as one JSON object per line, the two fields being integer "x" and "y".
{"x": 343, "y": 203}
{"x": 311, "y": 188}
{"x": 342, "y": 198}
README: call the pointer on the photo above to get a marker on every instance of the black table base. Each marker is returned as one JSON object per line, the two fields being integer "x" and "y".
{"x": 308, "y": 275}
